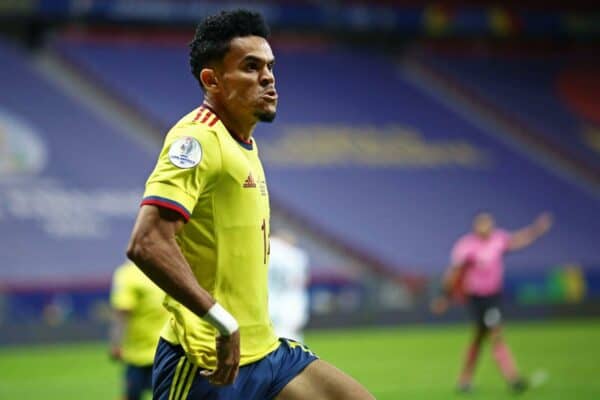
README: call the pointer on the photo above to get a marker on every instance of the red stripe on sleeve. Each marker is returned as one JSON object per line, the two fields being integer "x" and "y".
{"x": 174, "y": 207}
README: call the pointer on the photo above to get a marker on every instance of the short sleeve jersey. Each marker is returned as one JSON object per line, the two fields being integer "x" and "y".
{"x": 217, "y": 183}
{"x": 484, "y": 260}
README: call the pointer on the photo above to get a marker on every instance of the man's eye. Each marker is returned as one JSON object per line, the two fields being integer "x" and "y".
{"x": 252, "y": 67}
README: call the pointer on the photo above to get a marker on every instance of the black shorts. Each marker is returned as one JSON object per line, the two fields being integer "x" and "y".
{"x": 138, "y": 380}
{"x": 486, "y": 310}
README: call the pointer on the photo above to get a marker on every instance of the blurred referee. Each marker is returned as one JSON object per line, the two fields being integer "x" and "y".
{"x": 477, "y": 273}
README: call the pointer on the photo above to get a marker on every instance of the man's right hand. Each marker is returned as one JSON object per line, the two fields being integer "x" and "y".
{"x": 228, "y": 360}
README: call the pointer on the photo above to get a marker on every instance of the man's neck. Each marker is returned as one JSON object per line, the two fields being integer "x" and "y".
{"x": 483, "y": 238}
{"x": 235, "y": 125}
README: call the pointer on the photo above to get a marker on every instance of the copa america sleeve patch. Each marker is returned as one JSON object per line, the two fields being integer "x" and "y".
{"x": 185, "y": 152}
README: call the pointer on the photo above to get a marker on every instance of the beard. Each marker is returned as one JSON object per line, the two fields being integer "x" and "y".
{"x": 266, "y": 116}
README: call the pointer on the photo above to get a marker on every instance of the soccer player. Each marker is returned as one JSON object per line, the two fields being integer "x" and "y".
{"x": 138, "y": 317}
{"x": 288, "y": 279}
{"x": 477, "y": 273}
{"x": 202, "y": 234}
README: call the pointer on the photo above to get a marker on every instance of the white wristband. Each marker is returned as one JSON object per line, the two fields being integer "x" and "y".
{"x": 218, "y": 317}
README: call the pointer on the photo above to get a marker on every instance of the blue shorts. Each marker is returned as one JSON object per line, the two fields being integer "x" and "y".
{"x": 137, "y": 380}
{"x": 261, "y": 380}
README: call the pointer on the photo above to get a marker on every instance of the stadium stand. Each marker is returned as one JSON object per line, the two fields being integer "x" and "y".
{"x": 66, "y": 216}
{"x": 70, "y": 182}
{"x": 549, "y": 93}
{"x": 375, "y": 158}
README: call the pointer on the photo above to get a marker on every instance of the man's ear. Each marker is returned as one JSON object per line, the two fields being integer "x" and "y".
{"x": 209, "y": 80}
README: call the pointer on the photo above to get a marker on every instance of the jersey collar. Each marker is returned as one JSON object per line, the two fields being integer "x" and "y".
{"x": 247, "y": 144}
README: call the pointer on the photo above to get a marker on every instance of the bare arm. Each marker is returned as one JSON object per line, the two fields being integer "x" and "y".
{"x": 528, "y": 235}
{"x": 118, "y": 322}
{"x": 450, "y": 276}
{"x": 153, "y": 249}
{"x": 441, "y": 302}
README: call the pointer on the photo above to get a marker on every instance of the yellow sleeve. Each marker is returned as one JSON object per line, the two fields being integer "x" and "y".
{"x": 187, "y": 165}
{"x": 123, "y": 292}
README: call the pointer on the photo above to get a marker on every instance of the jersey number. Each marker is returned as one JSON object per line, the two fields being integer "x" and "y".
{"x": 263, "y": 227}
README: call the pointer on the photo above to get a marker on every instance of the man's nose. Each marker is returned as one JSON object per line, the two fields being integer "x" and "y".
{"x": 267, "y": 77}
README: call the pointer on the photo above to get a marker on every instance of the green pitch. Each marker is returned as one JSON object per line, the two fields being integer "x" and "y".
{"x": 401, "y": 363}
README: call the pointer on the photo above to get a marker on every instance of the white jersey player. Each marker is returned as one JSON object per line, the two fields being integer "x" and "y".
{"x": 288, "y": 280}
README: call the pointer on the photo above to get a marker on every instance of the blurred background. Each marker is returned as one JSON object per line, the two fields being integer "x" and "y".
{"x": 398, "y": 121}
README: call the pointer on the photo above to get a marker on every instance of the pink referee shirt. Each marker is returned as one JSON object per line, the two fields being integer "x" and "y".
{"x": 484, "y": 261}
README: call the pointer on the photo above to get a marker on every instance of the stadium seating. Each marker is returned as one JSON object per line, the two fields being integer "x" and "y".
{"x": 369, "y": 155}
{"x": 551, "y": 93}
{"x": 70, "y": 182}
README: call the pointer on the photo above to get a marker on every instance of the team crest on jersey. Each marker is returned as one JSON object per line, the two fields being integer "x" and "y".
{"x": 185, "y": 152}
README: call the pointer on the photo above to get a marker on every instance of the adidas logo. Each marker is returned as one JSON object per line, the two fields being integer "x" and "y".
{"x": 249, "y": 182}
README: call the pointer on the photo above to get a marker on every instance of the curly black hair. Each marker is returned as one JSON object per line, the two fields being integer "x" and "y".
{"x": 214, "y": 34}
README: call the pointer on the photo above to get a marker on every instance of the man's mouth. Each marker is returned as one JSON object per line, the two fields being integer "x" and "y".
{"x": 270, "y": 95}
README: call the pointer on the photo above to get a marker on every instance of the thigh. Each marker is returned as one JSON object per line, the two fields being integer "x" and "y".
{"x": 289, "y": 360}
{"x": 321, "y": 380}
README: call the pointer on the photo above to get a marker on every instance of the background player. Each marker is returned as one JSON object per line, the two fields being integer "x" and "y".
{"x": 138, "y": 317}
{"x": 477, "y": 270}
{"x": 202, "y": 235}
{"x": 288, "y": 280}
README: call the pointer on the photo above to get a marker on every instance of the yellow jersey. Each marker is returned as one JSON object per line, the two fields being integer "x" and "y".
{"x": 217, "y": 183}
{"x": 134, "y": 292}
